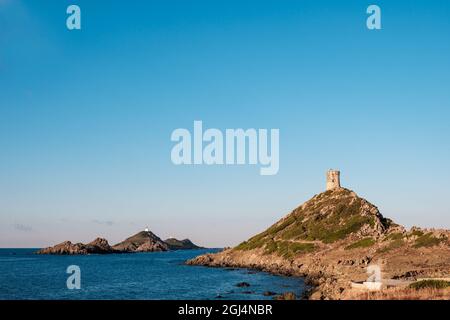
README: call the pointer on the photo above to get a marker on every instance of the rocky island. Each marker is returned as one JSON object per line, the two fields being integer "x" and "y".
{"x": 98, "y": 246}
{"x": 143, "y": 241}
{"x": 346, "y": 249}
{"x": 175, "y": 244}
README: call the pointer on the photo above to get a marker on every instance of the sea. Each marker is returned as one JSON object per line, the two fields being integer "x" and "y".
{"x": 141, "y": 276}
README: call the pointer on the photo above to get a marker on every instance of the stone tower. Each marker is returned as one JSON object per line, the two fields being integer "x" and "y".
{"x": 333, "y": 179}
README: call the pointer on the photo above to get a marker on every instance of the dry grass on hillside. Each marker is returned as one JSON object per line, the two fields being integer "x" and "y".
{"x": 401, "y": 294}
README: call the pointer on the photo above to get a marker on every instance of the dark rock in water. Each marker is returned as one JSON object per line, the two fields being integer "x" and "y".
{"x": 269, "y": 293}
{"x": 243, "y": 284}
{"x": 185, "y": 244}
{"x": 144, "y": 241}
{"x": 98, "y": 246}
{"x": 247, "y": 292}
{"x": 219, "y": 296}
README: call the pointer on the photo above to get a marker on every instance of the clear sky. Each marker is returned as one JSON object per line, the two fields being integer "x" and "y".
{"x": 86, "y": 116}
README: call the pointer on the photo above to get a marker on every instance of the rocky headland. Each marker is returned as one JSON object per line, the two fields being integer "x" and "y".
{"x": 332, "y": 239}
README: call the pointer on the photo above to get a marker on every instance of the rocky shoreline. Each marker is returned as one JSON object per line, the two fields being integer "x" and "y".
{"x": 317, "y": 281}
{"x": 331, "y": 280}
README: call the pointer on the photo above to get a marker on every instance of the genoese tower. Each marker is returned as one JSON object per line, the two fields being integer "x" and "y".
{"x": 333, "y": 179}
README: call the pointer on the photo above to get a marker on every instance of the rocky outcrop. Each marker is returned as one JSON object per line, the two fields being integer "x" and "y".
{"x": 144, "y": 241}
{"x": 65, "y": 247}
{"x": 331, "y": 239}
{"x": 98, "y": 246}
{"x": 185, "y": 244}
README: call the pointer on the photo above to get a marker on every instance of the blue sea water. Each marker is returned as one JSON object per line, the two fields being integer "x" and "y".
{"x": 157, "y": 275}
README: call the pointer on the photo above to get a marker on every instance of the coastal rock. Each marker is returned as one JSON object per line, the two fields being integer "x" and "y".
{"x": 286, "y": 296}
{"x": 243, "y": 284}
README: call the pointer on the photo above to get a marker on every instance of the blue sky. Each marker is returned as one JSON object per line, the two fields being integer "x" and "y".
{"x": 86, "y": 116}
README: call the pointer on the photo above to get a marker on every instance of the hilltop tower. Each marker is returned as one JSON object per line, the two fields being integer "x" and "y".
{"x": 333, "y": 179}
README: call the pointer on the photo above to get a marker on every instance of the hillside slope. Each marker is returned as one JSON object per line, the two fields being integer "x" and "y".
{"x": 329, "y": 217}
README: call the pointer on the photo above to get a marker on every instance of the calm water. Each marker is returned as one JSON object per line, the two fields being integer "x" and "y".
{"x": 159, "y": 275}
